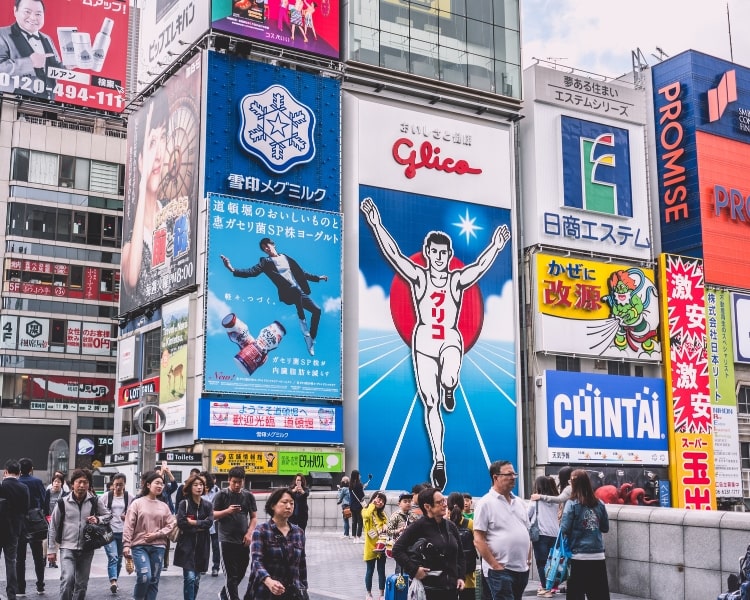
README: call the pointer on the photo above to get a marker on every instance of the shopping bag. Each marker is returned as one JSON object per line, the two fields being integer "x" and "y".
{"x": 556, "y": 569}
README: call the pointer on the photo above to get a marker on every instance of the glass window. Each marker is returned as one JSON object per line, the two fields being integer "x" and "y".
{"x": 423, "y": 59}
{"x": 364, "y": 45}
{"x": 508, "y": 79}
{"x": 481, "y": 75}
{"x": 568, "y": 363}
{"x": 94, "y": 236}
{"x": 506, "y": 14}
{"x": 57, "y": 333}
{"x": 479, "y": 37}
{"x": 109, "y": 228}
{"x": 151, "y": 353}
{"x": 82, "y": 173}
{"x": 76, "y": 276}
{"x": 67, "y": 171}
{"x": 17, "y": 219}
{"x": 63, "y": 225}
{"x": 638, "y": 371}
{"x": 745, "y": 454}
{"x": 79, "y": 226}
{"x": 20, "y": 167}
{"x": 43, "y": 168}
{"x": 452, "y": 32}
{"x": 507, "y": 45}
{"x": 40, "y": 222}
{"x": 104, "y": 178}
{"x": 615, "y": 367}
{"x": 743, "y": 400}
{"x": 394, "y": 50}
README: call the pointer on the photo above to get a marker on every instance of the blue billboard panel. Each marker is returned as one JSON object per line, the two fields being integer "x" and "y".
{"x": 596, "y": 167}
{"x": 437, "y": 348}
{"x": 606, "y": 418}
{"x": 236, "y": 420}
{"x": 273, "y": 317}
{"x": 272, "y": 134}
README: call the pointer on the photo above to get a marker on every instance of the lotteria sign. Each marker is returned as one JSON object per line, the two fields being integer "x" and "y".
{"x": 605, "y": 418}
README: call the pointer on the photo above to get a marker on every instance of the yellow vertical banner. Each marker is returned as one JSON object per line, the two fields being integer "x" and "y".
{"x": 688, "y": 389}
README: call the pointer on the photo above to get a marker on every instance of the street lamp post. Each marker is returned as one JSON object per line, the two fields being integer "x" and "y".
{"x": 149, "y": 420}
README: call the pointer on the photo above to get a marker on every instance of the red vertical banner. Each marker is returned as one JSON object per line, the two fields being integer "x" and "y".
{"x": 91, "y": 283}
{"x": 686, "y": 371}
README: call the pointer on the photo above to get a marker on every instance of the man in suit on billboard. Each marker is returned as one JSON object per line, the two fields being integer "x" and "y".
{"x": 291, "y": 282}
{"x": 26, "y": 52}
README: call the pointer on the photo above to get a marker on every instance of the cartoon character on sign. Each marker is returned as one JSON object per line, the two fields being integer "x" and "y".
{"x": 437, "y": 344}
{"x": 634, "y": 315}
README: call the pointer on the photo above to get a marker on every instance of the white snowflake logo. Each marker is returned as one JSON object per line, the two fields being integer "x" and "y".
{"x": 277, "y": 128}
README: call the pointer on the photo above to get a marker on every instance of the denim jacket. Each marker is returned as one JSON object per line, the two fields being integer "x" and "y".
{"x": 583, "y": 526}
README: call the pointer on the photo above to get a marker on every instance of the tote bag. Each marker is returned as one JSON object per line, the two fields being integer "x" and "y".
{"x": 556, "y": 569}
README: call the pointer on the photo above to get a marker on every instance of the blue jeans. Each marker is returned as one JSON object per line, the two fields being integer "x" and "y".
{"x": 148, "y": 562}
{"x": 346, "y": 526}
{"x": 75, "y": 568}
{"x": 380, "y": 562}
{"x": 541, "y": 551}
{"x": 507, "y": 584}
{"x": 743, "y": 590}
{"x": 191, "y": 581}
{"x": 114, "y": 557}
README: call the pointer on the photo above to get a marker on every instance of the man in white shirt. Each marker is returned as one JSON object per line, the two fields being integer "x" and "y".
{"x": 291, "y": 282}
{"x": 501, "y": 535}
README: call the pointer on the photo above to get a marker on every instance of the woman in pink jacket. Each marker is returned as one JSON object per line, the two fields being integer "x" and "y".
{"x": 144, "y": 537}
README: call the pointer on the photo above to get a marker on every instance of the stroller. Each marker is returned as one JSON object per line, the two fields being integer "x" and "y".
{"x": 736, "y": 580}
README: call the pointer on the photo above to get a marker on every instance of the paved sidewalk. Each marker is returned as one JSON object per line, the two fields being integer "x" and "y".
{"x": 335, "y": 567}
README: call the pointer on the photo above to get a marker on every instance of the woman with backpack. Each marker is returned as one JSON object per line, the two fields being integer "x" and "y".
{"x": 195, "y": 515}
{"x": 116, "y": 501}
{"x": 466, "y": 535}
{"x": 52, "y": 494}
{"x": 584, "y": 520}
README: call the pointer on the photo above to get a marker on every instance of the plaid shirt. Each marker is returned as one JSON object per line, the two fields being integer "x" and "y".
{"x": 278, "y": 557}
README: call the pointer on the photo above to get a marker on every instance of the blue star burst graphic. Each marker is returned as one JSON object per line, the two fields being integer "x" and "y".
{"x": 467, "y": 226}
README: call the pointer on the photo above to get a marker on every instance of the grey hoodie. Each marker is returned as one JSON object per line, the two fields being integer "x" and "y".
{"x": 75, "y": 521}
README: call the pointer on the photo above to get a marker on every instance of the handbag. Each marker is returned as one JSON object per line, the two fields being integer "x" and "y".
{"x": 36, "y": 525}
{"x": 96, "y": 535}
{"x": 381, "y": 544}
{"x": 534, "y": 527}
{"x": 175, "y": 534}
{"x": 556, "y": 569}
{"x": 347, "y": 512}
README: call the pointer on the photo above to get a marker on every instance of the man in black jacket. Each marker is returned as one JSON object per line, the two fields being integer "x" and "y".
{"x": 36, "y": 500}
{"x": 291, "y": 282}
{"x": 15, "y": 505}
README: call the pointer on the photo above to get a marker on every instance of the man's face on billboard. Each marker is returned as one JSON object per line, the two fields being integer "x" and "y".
{"x": 30, "y": 15}
{"x": 438, "y": 256}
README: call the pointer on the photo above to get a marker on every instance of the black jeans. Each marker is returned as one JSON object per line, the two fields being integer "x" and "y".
{"x": 37, "y": 553}
{"x": 9, "y": 547}
{"x": 236, "y": 558}
{"x": 356, "y": 521}
{"x": 215, "y": 552}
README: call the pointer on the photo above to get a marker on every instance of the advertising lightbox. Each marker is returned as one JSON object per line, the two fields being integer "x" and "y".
{"x": 173, "y": 365}
{"x": 594, "y": 308}
{"x": 587, "y": 190}
{"x": 690, "y": 422}
{"x": 272, "y": 134}
{"x": 73, "y": 52}
{"x": 273, "y": 317}
{"x": 296, "y": 24}
{"x": 235, "y": 420}
{"x": 605, "y": 419}
{"x": 437, "y": 335}
{"x": 167, "y": 28}
{"x": 741, "y": 337}
{"x": 161, "y": 191}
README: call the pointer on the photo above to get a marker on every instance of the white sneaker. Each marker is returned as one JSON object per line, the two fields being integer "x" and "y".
{"x": 310, "y": 344}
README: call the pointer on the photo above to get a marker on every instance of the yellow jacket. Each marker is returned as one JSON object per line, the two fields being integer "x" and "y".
{"x": 371, "y": 519}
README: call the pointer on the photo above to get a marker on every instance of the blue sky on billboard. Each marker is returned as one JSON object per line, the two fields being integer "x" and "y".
{"x": 599, "y": 36}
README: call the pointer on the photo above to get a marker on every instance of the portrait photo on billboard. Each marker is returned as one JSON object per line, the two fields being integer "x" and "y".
{"x": 436, "y": 339}
{"x": 272, "y": 134}
{"x": 273, "y": 319}
{"x": 73, "y": 52}
{"x": 304, "y": 25}
{"x": 161, "y": 191}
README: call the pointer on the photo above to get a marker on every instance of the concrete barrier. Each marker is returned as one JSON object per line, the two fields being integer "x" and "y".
{"x": 657, "y": 553}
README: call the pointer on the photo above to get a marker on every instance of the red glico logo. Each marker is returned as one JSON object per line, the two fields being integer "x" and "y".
{"x": 721, "y": 95}
{"x": 429, "y": 158}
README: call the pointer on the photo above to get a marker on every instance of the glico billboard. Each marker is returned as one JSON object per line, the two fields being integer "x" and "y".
{"x": 702, "y": 132}
{"x": 73, "y": 52}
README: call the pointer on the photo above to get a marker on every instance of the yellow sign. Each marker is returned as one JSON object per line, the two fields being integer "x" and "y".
{"x": 253, "y": 461}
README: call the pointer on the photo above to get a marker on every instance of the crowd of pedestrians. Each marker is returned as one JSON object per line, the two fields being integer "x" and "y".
{"x": 447, "y": 545}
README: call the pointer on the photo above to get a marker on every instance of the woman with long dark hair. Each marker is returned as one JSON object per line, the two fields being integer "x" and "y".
{"x": 374, "y": 522}
{"x": 584, "y": 520}
{"x": 278, "y": 560}
{"x": 441, "y": 566}
{"x": 144, "y": 536}
{"x": 456, "y": 515}
{"x": 564, "y": 486}
{"x": 300, "y": 492}
{"x": 545, "y": 515}
{"x": 357, "y": 496}
{"x": 195, "y": 515}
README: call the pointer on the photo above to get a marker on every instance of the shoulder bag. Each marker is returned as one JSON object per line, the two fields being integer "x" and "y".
{"x": 534, "y": 526}
{"x": 96, "y": 535}
{"x": 36, "y": 525}
{"x": 176, "y": 532}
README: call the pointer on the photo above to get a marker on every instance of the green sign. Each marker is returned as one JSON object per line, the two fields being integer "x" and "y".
{"x": 291, "y": 463}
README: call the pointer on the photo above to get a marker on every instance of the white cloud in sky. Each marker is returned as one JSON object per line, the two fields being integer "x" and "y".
{"x": 217, "y": 310}
{"x": 599, "y": 36}
{"x": 332, "y": 305}
{"x": 374, "y": 307}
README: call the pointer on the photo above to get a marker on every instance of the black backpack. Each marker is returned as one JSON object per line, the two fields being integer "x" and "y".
{"x": 466, "y": 538}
